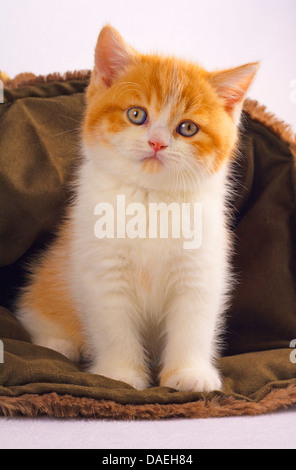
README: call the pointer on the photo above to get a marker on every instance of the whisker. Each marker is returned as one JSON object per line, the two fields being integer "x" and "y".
{"x": 65, "y": 132}
{"x": 69, "y": 117}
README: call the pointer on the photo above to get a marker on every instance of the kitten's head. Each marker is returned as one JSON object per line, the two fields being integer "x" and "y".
{"x": 159, "y": 122}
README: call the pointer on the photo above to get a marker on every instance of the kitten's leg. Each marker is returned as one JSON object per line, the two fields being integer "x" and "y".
{"x": 112, "y": 325}
{"x": 46, "y": 331}
{"x": 190, "y": 350}
{"x": 45, "y": 306}
{"x": 116, "y": 343}
{"x": 192, "y": 320}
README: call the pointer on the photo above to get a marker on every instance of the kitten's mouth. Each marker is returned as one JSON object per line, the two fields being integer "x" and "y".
{"x": 152, "y": 164}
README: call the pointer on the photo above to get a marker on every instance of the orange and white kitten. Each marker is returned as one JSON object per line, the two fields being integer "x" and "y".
{"x": 156, "y": 130}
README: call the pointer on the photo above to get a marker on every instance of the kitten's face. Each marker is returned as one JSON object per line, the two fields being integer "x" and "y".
{"x": 156, "y": 122}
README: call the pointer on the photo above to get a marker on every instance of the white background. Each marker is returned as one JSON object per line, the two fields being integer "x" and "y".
{"x": 276, "y": 431}
{"x": 44, "y": 36}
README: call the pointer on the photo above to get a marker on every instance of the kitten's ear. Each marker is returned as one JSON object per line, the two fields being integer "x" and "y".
{"x": 112, "y": 55}
{"x": 232, "y": 85}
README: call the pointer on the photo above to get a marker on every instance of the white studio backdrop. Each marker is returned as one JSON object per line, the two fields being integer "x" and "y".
{"x": 45, "y": 36}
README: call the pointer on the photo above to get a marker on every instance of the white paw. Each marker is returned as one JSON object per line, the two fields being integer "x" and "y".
{"x": 136, "y": 379}
{"x": 63, "y": 346}
{"x": 203, "y": 378}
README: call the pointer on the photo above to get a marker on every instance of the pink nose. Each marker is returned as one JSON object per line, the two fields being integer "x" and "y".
{"x": 157, "y": 145}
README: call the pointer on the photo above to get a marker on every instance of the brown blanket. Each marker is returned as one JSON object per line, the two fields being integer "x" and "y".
{"x": 39, "y": 135}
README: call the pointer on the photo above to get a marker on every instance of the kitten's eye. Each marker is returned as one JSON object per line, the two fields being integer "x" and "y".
{"x": 137, "y": 116}
{"x": 187, "y": 128}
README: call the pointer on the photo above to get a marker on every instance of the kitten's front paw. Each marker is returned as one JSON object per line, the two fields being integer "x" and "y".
{"x": 204, "y": 378}
{"x": 137, "y": 379}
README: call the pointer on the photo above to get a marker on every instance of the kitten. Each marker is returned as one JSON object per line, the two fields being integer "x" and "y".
{"x": 156, "y": 130}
